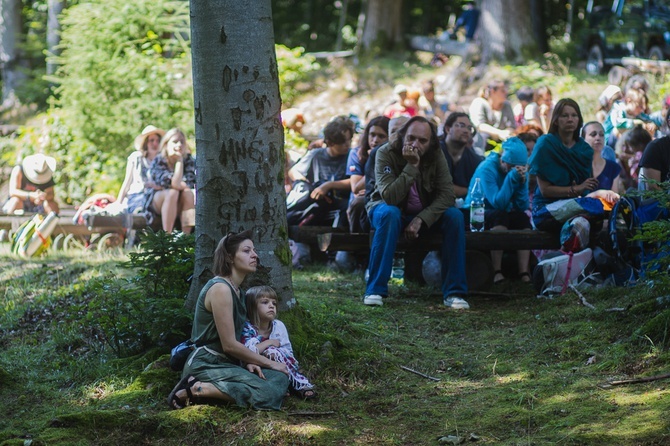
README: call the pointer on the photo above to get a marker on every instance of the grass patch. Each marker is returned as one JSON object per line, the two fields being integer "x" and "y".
{"x": 513, "y": 370}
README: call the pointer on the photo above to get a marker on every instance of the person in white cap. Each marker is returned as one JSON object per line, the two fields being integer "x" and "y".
{"x": 147, "y": 145}
{"x": 31, "y": 186}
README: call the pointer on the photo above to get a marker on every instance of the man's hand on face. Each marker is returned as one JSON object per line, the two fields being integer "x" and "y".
{"x": 411, "y": 154}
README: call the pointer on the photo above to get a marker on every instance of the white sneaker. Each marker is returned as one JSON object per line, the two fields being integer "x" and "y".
{"x": 456, "y": 303}
{"x": 373, "y": 299}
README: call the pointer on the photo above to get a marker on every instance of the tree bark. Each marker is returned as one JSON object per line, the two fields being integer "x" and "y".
{"x": 383, "y": 24}
{"x": 53, "y": 32}
{"x": 239, "y": 139}
{"x": 504, "y": 30}
{"x": 538, "y": 24}
{"x": 10, "y": 28}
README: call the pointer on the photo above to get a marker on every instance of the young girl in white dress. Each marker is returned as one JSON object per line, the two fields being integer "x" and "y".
{"x": 264, "y": 334}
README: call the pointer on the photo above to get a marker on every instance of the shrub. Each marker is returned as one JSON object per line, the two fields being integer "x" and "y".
{"x": 294, "y": 69}
{"x": 135, "y": 314}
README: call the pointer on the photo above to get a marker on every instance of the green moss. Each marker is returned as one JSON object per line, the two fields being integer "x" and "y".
{"x": 283, "y": 252}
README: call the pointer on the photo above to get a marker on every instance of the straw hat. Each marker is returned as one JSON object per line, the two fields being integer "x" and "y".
{"x": 148, "y": 130}
{"x": 39, "y": 168}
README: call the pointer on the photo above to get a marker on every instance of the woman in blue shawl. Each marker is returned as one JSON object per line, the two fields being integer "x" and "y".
{"x": 562, "y": 161}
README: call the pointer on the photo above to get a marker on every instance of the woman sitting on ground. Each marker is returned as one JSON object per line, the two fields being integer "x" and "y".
{"x": 213, "y": 372}
{"x": 174, "y": 171}
{"x": 562, "y": 162}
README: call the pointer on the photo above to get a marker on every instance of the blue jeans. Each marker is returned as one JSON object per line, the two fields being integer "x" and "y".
{"x": 387, "y": 222}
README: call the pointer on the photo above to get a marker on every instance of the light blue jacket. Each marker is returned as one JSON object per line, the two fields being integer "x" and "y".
{"x": 502, "y": 191}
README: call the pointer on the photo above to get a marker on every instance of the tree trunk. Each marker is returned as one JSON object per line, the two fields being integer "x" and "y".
{"x": 504, "y": 30}
{"x": 53, "y": 32}
{"x": 538, "y": 24}
{"x": 10, "y": 28}
{"x": 383, "y": 24}
{"x": 239, "y": 139}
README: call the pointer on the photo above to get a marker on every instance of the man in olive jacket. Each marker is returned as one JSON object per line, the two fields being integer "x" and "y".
{"x": 414, "y": 192}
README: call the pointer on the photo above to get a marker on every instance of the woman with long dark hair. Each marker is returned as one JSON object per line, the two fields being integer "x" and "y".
{"x": 562, "y": 162}
{"x": 214, "y": 370}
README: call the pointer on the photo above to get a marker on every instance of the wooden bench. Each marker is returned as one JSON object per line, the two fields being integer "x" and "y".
{"x": 67, "y": 234}
{"x": 479, "y": 269}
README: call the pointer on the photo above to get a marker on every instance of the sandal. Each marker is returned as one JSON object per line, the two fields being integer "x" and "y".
{"x": 499, "y": 281}
{"x": 186, "y": 383}
{"x": 306, "y": 394}
{"x": 525, "y": 277}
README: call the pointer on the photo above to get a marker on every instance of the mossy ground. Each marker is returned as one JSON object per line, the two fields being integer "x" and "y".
{"x": 513, "y": 370}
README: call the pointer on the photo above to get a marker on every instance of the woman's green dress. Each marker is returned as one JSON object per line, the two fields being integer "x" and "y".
{"x": 224, "y": 372}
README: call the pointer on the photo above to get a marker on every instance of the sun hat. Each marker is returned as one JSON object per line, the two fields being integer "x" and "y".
{"x": 514, "y": 152}
{"x": 148, "y": 130}
{"x": 400, "y": 88}
{"x": 608, "y": 93}
{"x": 39, "y": 168}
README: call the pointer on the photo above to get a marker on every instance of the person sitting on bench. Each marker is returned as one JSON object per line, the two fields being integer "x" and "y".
{"x": 414, "y": 192}
{"x": 174, "y": 171}
{"x": 31, "y": 186}
{"x": 504, "y": 181}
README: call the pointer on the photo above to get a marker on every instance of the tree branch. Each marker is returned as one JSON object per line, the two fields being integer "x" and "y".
{"x": 419, "y": 373}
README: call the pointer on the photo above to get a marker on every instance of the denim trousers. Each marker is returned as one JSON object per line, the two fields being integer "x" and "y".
{"x": 387, "y": 222}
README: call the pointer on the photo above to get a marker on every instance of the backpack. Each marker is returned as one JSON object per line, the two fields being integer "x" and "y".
{"x": 632, "y": 257}
{"x": 553, "y": 275}
{"x": 33, "y": 237}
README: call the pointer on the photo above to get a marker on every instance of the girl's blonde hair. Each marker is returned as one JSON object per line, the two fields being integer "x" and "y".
{"x": 168, "y": 135}
{"x": 253, "y": 295}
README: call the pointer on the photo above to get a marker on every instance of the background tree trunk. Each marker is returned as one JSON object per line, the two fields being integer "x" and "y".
{"x": 383, "y": 24}
{"x": 239, "y": 139}
{"x": 504, "y": 31}
{"x": 53, "y": 32}
{"x": 538, "y": 24}
{"x": 10, "y": 29}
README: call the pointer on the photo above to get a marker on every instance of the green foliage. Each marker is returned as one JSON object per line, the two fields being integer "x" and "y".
{"x": 294, "y": 70}
{"x": 164, "y": 264}
{"x": 122, "y": 67}
{"x": 131, "y": 319}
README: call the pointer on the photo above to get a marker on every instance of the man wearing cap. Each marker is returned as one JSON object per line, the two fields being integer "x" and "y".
{"x": 503, "y": 178}
{"x": 147, "y": 145}
{"x": 31, "y": 186}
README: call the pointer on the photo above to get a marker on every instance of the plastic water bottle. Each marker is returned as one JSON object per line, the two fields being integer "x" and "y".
{"x": 477, "y": 207}
{"x": 398, "y": 269}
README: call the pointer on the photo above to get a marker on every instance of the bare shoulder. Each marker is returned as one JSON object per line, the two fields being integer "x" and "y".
{"x": 218, "y": 294}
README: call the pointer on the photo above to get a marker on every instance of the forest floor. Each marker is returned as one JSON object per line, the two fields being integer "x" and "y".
{"x": 513, "y": 370}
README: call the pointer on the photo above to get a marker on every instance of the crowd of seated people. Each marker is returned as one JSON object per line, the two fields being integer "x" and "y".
{"x": 565, "y": 157}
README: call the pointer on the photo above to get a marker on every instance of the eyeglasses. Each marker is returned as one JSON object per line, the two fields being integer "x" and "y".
{"x": 461, "y": 125}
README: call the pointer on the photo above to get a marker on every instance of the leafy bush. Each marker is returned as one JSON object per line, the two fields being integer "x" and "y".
{"x": 122, "y": 67}
{"x": 294, "y": 68}
{"x": 135, "y": 314}
{"x": 165, "y": 263}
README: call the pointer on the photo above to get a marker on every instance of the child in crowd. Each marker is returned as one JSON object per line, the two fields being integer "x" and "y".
{"x": 525, "y": 96}
{"x": 625, "y": 115}
{"x": 264, "y": 334}
{"x": 607, "y": 98}
{"x": 539, "y": 111}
